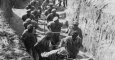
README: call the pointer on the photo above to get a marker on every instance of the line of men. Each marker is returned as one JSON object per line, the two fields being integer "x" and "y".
{"x": 52, "y": 40}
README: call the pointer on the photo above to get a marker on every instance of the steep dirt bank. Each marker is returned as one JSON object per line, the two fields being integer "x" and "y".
{"x": 9, "y": 42}
{"x": 97, "y": 22}
{"x": 17, "y": 24}
{"x": 14, "y": 21}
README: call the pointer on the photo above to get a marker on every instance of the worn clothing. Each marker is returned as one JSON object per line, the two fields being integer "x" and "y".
{"x": 74, "y": 28}
{"x": 26, "y": 16}
{"x": 44, "y": 45}
{"x": 55, "y": 27}
{"x": 71, "y": 29}
{"x": 54, "y": 54}
{"x": 51, "y": 16}
{"x": 72, "y": 46}
{"x": 29, "y": 39}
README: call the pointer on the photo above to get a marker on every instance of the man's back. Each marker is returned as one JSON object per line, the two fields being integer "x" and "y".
{"x": 43, "y": 45}
{"x": 55, "y": 27}
{"x": 29, "y": 39}
{"x": 72, "y": 29}
{"x": 72, "y": 46}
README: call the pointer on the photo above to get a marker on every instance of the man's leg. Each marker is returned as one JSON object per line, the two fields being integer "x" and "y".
{"x": 55, "y": 40}
{"x": 38, "y": 51}
{"x": 35, "y": 54}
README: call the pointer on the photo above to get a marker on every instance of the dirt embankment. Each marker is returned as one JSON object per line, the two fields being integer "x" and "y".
{"x": 14, "y": 21}
{"x": 9, "y": 42}
{"x": 11, "y": 28}
{"x": 97, "y": 22}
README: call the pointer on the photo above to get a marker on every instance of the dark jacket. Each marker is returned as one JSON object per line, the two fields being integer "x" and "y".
{"x": 55, "y": 27}
{"x": 71, "y": 46}
{"x": 29, "y": 39}
{"x": 72, "y": 29}
{"x": 43, "y": 45}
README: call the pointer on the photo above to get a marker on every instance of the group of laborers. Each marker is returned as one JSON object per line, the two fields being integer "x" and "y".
{"x": 51, "y": 40}
{"x": 60, "y": 2}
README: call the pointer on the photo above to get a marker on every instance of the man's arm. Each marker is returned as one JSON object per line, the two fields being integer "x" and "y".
{"x": 57, "y": 15}
{"x": 32, "y": 17}
{"x": 23, "y": 37}
{"x": 48, "y": 17}
{"x": 49, "y": 26}
{"x": 61, "y": 24}
{"x": 62, "y": 43}
{"x": 45, "y": 12}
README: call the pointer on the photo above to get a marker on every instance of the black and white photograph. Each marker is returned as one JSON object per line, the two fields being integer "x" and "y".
{"x": 57, "y": 29}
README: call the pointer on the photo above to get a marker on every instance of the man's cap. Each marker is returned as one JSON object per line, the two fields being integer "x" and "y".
{"x": 53, "y": 10}
{"x": 29, "y": 10}
{"x": 28, "y": 20}
{"x": 30, "y": 26}
{"x": 75, "y": 23}
{"x": 55, "y": 18}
